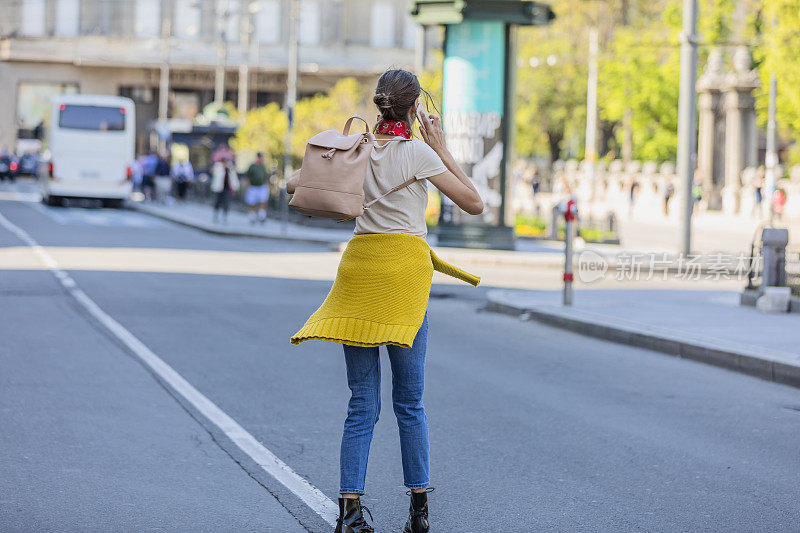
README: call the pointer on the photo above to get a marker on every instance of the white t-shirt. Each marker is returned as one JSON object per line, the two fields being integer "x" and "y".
{"x": 390, "y": 165}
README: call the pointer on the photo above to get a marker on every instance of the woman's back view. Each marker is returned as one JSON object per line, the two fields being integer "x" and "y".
{"x": 392, "y": 163}
{"x": 381, "y": 291}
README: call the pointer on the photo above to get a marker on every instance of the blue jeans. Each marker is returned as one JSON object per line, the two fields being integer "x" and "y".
{"x": 364, "y": 380}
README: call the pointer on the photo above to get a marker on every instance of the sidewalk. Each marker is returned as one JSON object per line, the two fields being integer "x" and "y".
{"x": 706, "y": 326}
{"x": 200, "y": 216}
{"x": 529, "y": 253}
{"x": 537, "y": 254}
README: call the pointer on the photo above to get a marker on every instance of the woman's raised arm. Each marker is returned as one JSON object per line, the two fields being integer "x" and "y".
{"x": 453, "y": 183}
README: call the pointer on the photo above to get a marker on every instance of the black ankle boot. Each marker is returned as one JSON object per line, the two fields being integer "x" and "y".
{"x": 351, "y": 517}
{"x": 418, "y": 512}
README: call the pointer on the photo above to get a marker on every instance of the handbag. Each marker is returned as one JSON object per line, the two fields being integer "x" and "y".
{"x": 330, "y": 181}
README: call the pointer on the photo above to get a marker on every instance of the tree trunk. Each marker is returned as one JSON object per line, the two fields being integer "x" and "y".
{"x": 554, "y": 139}
{"x": 627, "y": 135}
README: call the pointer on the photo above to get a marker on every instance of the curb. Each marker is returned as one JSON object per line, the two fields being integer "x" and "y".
{"x": 218, "y": 230}
{"x": 780, "y": 367}
{"x": 505, "y": 258}
{"x": 463, "y": 255}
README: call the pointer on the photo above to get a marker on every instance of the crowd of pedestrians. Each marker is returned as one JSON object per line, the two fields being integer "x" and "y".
{"x": 162, "y": 178}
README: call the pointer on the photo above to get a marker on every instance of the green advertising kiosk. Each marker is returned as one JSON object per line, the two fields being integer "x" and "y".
{"x": 479, "y": 65}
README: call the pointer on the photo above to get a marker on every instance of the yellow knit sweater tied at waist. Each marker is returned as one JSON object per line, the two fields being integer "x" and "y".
{"x": 380, "y": 293}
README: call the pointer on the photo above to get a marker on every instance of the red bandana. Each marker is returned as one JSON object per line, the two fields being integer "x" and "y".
{"x": 397, "y": 128}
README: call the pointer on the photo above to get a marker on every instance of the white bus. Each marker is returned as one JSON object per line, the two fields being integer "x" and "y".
{"x": 91, "y": 144}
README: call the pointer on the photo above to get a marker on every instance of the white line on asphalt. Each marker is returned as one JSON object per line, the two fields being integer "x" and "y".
{"x": 309, "y": 494}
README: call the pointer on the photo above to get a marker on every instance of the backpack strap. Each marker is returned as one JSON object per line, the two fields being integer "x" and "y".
{"x": 395, "y": 189}
{"x": 347, "y": 124}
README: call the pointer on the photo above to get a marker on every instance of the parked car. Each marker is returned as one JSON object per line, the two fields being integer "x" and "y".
{"x": 9, "y": 166}
{"x": 29, "y": 164}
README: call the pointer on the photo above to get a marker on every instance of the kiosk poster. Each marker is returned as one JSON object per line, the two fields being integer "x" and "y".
{"x": 474, "y": 74}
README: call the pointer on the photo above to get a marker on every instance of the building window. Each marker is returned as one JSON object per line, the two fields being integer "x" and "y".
{"x": 357, "y": 19}
{"x": 147, "y": 18}
{"x": 410, "y": 29}
{"x": 232, "y": 12}
{"x": 33, "y": 106}
{"x": 382, "y": 25}
{"x": 187, "y": 19}
{"x": 33, "y": 17}
{"x": 268, "y": 21}
{"x": 95, "y": 17}
{"x": 67, "y": 12}
{"x": 310, "y": 22}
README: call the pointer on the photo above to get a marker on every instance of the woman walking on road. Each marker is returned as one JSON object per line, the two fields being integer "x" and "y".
{"x": 224, "y": 183}
{"x": 381, "y": 291}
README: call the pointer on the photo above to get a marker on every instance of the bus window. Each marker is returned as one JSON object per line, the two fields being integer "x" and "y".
{"x": 89, "y": 117}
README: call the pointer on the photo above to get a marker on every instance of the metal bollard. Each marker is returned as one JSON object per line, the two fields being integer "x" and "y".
{"x": 569, "y": 230}
{"x": 555, "y": 216}
{"x": 774, "y": 241}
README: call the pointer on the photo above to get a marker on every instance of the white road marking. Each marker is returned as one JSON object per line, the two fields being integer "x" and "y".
{"x": 268, "y": 461}
{"x": 18, "y": 196}
{"x": 80, "y": 216}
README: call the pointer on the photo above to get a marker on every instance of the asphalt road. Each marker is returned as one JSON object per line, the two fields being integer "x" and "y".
{"x": 532, "y": 428}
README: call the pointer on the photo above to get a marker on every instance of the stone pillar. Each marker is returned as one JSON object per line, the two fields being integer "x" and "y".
{"x": 709, "y": 154}
{"x": 739, "y": 127}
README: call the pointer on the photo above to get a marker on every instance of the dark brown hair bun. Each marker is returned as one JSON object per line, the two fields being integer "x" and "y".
{"x": 396, "y": 92}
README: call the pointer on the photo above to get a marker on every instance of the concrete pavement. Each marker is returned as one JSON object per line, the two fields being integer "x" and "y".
{"x": 91, "y": 442}
{"x": 532, "y": 428}
{"x": 706, "y": 326}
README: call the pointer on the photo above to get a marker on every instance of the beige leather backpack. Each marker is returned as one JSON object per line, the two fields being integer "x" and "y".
{"x": 330, "y": 182}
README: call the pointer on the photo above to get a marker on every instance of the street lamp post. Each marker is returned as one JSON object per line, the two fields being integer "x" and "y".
{"x": 771, "y": 158}
{"x": 246, "y": 26}
{"x": 687, "y": 113}
{"x": 591, "y": 113}
{"x": 222, "y": 53}
{"x": 163, "y": 82}
{"x": 291, "y": 99}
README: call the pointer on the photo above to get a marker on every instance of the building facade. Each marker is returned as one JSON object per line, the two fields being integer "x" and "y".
{"x": 131, "y": 47}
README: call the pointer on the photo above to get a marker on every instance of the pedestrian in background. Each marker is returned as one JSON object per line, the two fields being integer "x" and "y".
{"x": 633, "y": 187}
{"x": 758, "y": 189}
{"x": 183, "y": 175}
{"x": 149, "y": 163}
{"x": 669, "y": 192}
{"x": 162, "y": 178}
{"x": 534, "y": 179}
{"x": 257, "y": 192}
{"x": 224, "y": 182}
{"x": 778, "y": 203}
{"x": 137, "y": 174}
{"x": 697, "y": 189}
{"x": 381, "y": 293}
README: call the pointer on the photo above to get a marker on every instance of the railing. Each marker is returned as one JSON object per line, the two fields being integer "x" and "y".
{"x": 756, "y": 265}
{"x": 793, "y": 269}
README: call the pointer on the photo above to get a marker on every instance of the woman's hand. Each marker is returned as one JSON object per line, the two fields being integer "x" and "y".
{"x": 432, "y": 134}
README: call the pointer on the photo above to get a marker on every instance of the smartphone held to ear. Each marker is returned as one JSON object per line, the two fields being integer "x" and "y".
{"x": 423, "y": 116}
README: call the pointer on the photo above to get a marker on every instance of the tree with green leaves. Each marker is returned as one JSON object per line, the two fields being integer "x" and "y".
{"x": 551, "y": 82}
{"x": 778, "y": 53}
{"x": 638, "y": 75}
{"x": 551, "y": 92}
{"x": 327, "y": 111}
{"x": 264, "y": 128}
